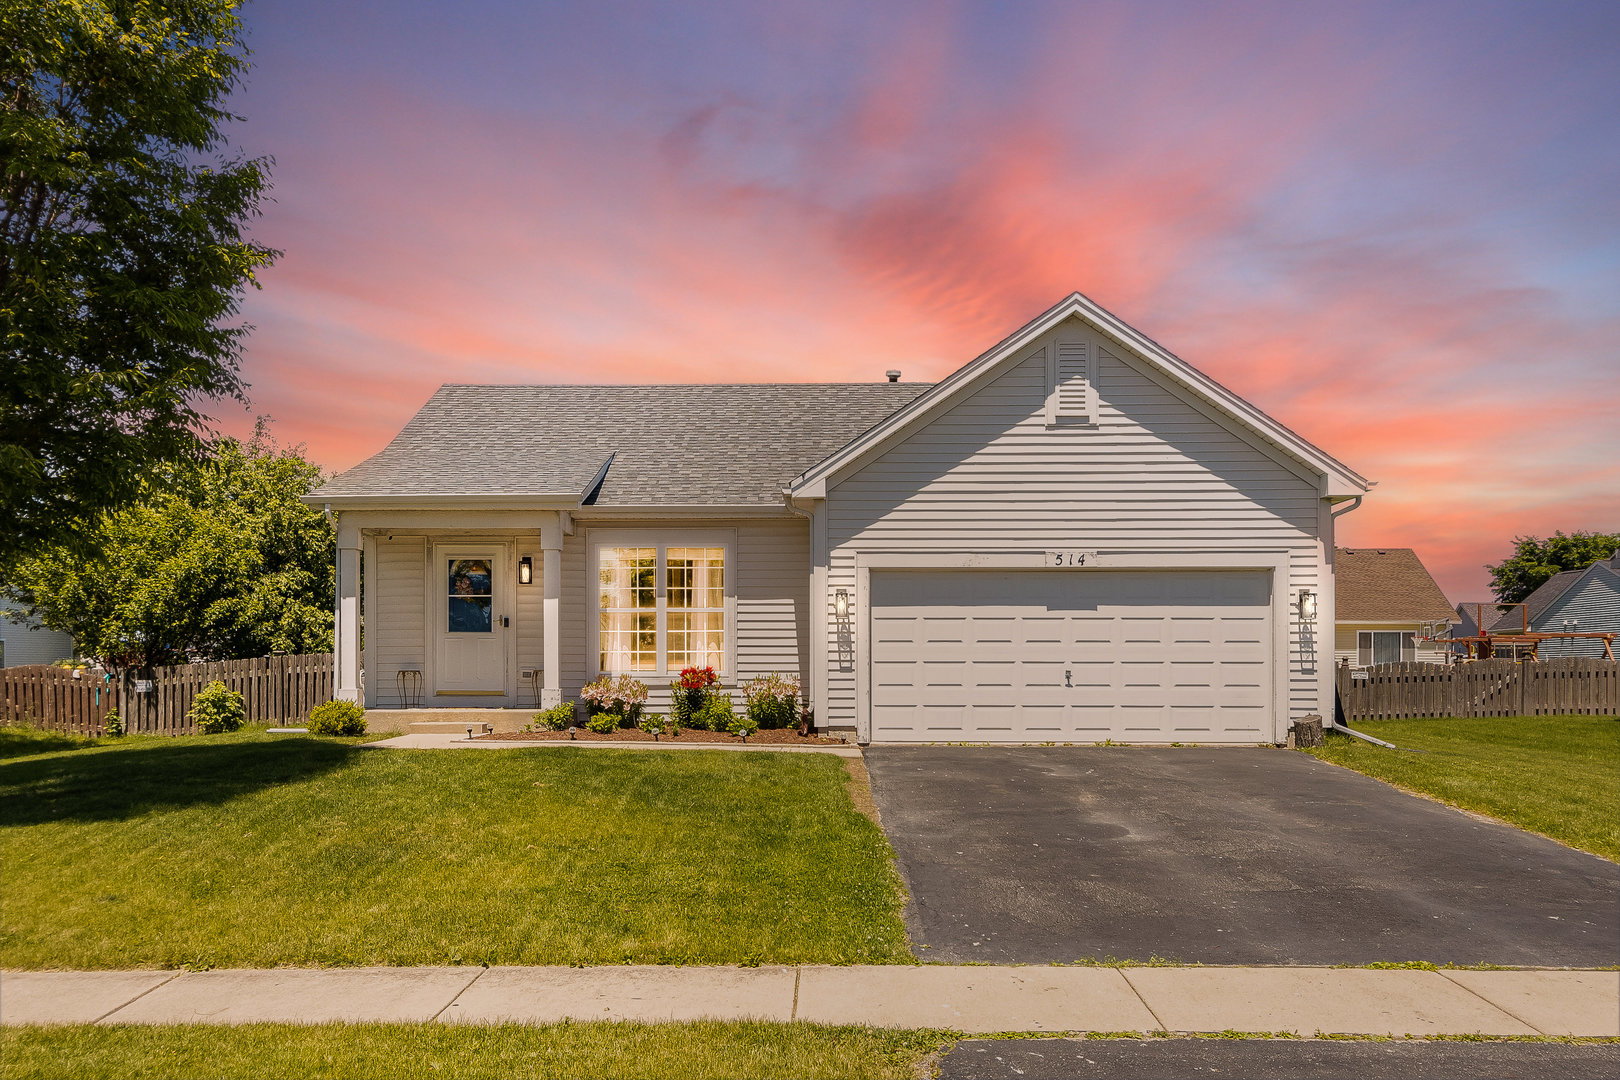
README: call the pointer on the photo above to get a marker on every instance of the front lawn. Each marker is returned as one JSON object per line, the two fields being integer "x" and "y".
{"x": 253, "y": 850}
{"x": 1554, "y": 775}
{"x": 385, "y": 1051}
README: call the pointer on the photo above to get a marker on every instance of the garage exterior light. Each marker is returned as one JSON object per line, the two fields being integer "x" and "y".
{"x": 841, "y": 604}
{"x": 1307, "y": 606}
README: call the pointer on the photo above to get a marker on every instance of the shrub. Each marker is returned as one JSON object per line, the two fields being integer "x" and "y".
{"x": 216, "y": 710}
{"x": 603, "y": 723}
{"x": 773, "y": 700}
{"x": 557, "y": 718}
{"x": 337, "y": 718}
{"x": 112, "y": 723}
{"x": 742, "y": 726}
{"x": 621, "y": 695}
{"x": 655, "y": 725}
{"x": 717, "y": 713}
{"x": 688, "y": 693}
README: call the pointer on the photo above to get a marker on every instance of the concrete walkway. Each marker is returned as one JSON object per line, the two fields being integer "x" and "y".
{"x": 1304, "y": 1001}
{"x": 447, "y": 741}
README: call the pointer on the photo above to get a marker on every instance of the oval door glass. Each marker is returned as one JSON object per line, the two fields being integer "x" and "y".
{"x": 471, "y": 607}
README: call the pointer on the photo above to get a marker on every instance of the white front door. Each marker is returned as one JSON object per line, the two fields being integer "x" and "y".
{"x": 470, "y": 653}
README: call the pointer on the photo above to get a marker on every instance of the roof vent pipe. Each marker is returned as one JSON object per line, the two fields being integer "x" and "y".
{"x": 893, "y": 374}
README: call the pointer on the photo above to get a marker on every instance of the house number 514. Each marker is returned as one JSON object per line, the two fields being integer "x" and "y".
{"x": 1070, "y": 558}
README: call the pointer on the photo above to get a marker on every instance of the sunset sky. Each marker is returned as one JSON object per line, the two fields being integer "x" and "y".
{"x": 1395, "y": 227}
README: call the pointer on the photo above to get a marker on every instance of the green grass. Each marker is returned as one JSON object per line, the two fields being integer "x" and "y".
{"x": 387, "y": 1051}
{"x": 1558, "y": 776}
{"x": 253, "y": 850}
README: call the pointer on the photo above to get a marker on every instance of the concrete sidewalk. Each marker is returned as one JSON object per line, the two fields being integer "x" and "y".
{"x": 1303, "y": 1001}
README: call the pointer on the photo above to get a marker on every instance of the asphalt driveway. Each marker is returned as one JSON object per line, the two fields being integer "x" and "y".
{"x": 1221, "y": 856}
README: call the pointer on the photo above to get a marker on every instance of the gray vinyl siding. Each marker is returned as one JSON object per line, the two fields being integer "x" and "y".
{"x": 528, "y": 623}
{"x": 1150, "y": 474}
{"x": 1594, "y": 603}
{"x": 25, "y": 646}
{"x": 401, "y": 617}
{"x": 770, "y": 576}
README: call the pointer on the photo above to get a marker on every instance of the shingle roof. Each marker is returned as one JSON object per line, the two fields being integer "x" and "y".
{"x": 1385, "y": 584}
{"x": 1534, "y": 604}
{"x": 732, "y": 444}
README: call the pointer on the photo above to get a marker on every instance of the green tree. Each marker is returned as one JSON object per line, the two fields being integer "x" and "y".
{"x": 220, "y": 562}
{"x": 1535, "y": 560}
{"x": 123, "y": 258}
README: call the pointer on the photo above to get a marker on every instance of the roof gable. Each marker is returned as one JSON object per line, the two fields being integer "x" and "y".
{"x": 1237, "y": 414}
{"x": 1385, "y": 585}
{"x": 1542, "y": 603}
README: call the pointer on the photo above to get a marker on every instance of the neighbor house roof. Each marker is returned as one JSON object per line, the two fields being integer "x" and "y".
{"x": 1385, "y": 585}
{"x": 670, "y": 445}
{"x": 1536, "y": 603}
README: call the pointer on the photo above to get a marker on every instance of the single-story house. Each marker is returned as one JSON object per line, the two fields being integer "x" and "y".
{"x": 1076, "y": 536}
{"x": 1386, "y": 601}
{"x": 1580, "y": 601}
{"x": 22, "y": 644}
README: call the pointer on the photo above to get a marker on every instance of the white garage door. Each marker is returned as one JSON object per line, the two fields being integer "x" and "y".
{"x": 1071, "y": 656}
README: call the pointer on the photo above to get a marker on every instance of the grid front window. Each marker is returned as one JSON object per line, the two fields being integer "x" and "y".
{"x": 661, "y": 608}
{"x": 628, "y": 578}
{"x": 696, "y": 583}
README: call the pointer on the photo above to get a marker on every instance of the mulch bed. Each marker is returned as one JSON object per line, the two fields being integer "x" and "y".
{"x": 776, "y": 736}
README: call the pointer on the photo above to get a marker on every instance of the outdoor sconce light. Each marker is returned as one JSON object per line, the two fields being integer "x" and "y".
{"x": 841, "y": 604}
{"x": 525, "y": 570}
{"x": 1307, "y": 606}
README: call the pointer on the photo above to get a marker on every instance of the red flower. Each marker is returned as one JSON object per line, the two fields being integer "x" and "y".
{"x": 695, "y": 678}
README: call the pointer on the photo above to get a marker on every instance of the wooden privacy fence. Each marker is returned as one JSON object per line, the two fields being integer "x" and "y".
{"x": 274, "y": 689}
{"x": 52, "y": 697}
{"x": 1559, "y": 687}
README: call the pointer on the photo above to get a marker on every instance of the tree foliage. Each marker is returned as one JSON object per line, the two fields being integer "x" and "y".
{"x": 1534, "y": 561}
{"x": 123, "y": 258}
{"x": 222, "y": 561}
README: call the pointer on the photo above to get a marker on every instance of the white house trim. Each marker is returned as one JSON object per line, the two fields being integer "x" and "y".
{"x": 1338, "y": 479}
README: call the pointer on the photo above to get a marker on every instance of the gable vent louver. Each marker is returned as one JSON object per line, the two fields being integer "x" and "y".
{"x": 1070, "y": 400}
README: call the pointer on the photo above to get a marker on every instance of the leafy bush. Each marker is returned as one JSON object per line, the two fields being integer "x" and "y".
{"x": 656, "y": 724}
{"x": 112, "y": 723}
{"x": 688, "y": 693}
{"x": 603, "y": 723}
{"x": 717, "y": 713}
{"x": 337, "y": 718}
{"x": 557, "y": 718}
{"x": 621, "y": 695}
{"x": 742, "y": 726}
{"x": 216, "y": 709}
{"x": 773, "y": 700}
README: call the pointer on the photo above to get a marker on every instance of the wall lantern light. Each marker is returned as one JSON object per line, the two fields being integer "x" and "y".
{"x": 841, "y": 604}
{"x": 1307, "y": 606}
{"x": 525, "y": 570}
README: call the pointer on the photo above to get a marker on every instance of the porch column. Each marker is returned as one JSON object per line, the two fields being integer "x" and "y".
{"x": 551, "y": 541}
{"x": 347, "y": 632}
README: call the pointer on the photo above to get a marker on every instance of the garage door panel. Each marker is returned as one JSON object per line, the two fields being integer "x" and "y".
{"x": 1007, "y": 656}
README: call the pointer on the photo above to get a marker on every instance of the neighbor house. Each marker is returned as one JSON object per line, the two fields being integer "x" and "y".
{"x": 22, "y": 644}
{"x": 1074, "y": 537}
{"x": 1580, "y": 601}
{"x": 1388, "y": 604}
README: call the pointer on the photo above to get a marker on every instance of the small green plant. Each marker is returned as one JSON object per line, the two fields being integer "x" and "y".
{"x": 688, "y": 693}
{"x": 742, "y": 726}
{"x": 716, "y": 715}
{"x": 112, "y": 723}
{"x": 216, "y": 709}
{"x": 603, "y": 723}
{"x": 557, "y": 718}
{"x": 337, "y": 718}
{"x": 773, "y": 700}
{"x": 656, "y": 724}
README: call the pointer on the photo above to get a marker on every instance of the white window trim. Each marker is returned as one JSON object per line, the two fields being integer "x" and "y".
{"x": 661, "y": 540}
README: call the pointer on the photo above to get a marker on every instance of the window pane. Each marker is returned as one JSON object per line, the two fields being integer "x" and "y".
{"x": 697, "y": 639}
{"x": 1386, "y": 648}
{"x": 470, "y": 615}
{"x": 628, "y": 598}
{"x": 696, "y": 577}
{"x": 470, "y": 577}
